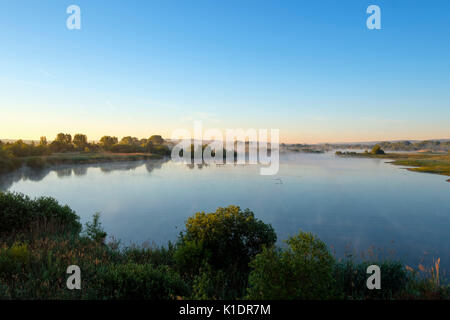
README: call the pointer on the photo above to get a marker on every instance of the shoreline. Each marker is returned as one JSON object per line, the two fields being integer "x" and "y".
{"x": 434, "y": 163}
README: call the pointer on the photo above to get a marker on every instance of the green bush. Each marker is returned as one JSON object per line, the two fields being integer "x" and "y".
{"x": 19, "y": 212}
{"x": 94, "y": 229}
{"x": 139, "y": 281}
{"x": 303, "y": 271}
{"x": 225, "y": 240}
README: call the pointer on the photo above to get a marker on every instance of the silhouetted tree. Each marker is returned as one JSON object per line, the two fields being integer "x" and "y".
{"x": 80, "y": 141}
{"x": 129, "y": 140}
{"x": 43, "y": 141}
{"x": 64, "y": 138}
{"x": 156, "y": 139}
{"x": 107, "y": 142}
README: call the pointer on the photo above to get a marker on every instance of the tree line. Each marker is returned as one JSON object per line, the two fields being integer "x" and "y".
{"x": 79, "y": 143}
{"x": 13, "y": 153}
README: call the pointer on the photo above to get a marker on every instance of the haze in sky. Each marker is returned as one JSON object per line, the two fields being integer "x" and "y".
{"x": 309, "y": 68}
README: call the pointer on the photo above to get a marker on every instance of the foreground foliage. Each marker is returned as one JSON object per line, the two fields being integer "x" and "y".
{"x": 226, "y": 254}
{"x": 303, "y": 271}
{"x": 215, "y": 250}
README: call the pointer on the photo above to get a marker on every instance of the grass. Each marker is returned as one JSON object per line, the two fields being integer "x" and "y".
{"x": 420, "y": 162}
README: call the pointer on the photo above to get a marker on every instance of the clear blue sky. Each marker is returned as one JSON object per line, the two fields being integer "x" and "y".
{"x": 310, "y": 68}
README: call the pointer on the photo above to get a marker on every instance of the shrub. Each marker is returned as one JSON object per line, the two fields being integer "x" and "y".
{"x": 210, "y": 284}
{"x": 18, "y": 212}
{"x": 48, "y": 209}
{"x": 303, "y": 271}
{"x": 139, "y": 281}
{"x": 190, "y": 256}
{"x": 95, "y": 230}
{"x": 225, "y": 240}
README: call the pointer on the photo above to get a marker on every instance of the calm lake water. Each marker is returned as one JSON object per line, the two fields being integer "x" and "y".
{"x": 352, "y": 204}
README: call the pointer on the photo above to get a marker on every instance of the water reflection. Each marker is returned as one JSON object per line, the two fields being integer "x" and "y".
{"x": 80, "y": 171}
{"x": 65, "y": 171}
{"x": 198, "y": 165}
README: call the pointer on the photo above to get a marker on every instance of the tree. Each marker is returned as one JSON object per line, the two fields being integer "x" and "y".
{"x": 64, "y": 138}
{"x": 62, "y": 143}
{"x": 223, "y": 242}
{"x": 80, "y": 141}
{"x": 377, "y": 150}
{"x": 129, "y": 141}
{"x": 43, "y": 141}
{"x": 156, "y": 139}
{"x": 107, "y": 141}
{"x": 94, "y": 229}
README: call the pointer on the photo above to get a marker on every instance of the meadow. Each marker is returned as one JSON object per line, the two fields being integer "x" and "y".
{"x": 437, "y": 163}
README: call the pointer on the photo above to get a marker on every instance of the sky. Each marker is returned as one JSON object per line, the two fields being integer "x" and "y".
{"x": 311, "y": 69}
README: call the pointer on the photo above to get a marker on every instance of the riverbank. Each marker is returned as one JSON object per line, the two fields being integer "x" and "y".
{"x": 65, "y": 150}
{"x": 435, "y": 163}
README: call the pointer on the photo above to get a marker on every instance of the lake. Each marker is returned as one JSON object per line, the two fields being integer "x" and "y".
{"x": 353, "y": 204}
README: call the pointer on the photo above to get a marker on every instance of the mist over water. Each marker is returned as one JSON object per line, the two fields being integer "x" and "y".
{"x": 350, "y": 203}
